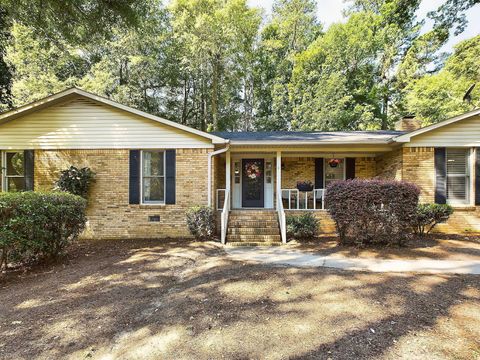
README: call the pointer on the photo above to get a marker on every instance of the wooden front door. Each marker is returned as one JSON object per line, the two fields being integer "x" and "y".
{"x": 252, "y": 182}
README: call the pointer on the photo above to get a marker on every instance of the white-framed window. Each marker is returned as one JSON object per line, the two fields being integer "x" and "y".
{"x": 458, "y": 175}
{"x": 153, "y": 177}
{"x": 333, "y": 173}
{"x": 13, "y": 171}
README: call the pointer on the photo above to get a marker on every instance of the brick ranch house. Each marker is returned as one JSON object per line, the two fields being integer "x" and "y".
{"x": 151, "y": 170}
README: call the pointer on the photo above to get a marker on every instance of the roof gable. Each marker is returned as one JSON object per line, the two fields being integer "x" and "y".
{"x": 73, "y": 93}
{"x": 408, "y": 136}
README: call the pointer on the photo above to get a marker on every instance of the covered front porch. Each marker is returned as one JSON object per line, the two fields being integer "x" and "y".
{"x": 288, "y": 179}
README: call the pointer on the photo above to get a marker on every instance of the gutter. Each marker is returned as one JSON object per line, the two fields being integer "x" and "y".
{"x": 209, "y": 175}
{"x": 308, "y": 142}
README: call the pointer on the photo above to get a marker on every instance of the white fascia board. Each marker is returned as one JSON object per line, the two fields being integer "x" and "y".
{"x": 406, "y": 137}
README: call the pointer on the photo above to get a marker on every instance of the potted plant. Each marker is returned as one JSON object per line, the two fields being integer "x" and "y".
{"x": 304, "y": 186}
{"x": 334, "y": 162}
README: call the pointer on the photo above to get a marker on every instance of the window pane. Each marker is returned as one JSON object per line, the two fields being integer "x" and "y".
{"x": 457, "y": 174}
{"x": 15, "y": 184}
{"x": 14, "y": 163}
{"x": 334, "y": 173}
{"x": 153, "y": 189}
{"x": 153, "y": 163}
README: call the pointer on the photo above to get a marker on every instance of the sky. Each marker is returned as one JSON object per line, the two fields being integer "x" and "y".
{"x": 330, "y": 11}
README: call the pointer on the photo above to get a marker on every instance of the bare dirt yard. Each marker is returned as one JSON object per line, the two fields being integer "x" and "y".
{"x": 179, "y": 300}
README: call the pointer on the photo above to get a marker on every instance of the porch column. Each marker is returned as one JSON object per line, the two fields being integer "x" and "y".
{"x": 279, "y": 177}
{"x": 227, "y": 176}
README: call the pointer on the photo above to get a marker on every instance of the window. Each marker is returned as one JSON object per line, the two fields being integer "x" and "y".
{"x": 458, "y": 177}
{"x": 268, "y": 172}
{"x": 13, "y": 171}
{"x": 236, "y": 172}
{"x": 334, "y": 173}
{"x": 153, "y": 177}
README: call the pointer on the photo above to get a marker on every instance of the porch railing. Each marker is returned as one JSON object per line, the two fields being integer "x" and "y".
{"x": 281, "y": 219}
{"x": 293, "y": 199}
{"x": 224, "y": 217}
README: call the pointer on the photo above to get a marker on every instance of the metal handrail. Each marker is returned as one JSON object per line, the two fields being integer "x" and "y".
{"x": 224, "y": 217}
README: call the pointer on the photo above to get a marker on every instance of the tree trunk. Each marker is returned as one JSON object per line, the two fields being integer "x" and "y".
{"x": 185, "y": 102}
{"x": 215, "y": 82}
{"x": 385, "y": 112}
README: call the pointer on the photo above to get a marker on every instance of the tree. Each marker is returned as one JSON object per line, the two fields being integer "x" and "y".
{"x": 61, "y": 22}
{"x": 5, "y": 73}
{"x": 292, "y": 28}
{"x": 451, "y": 14}
{"x": 216, "y": 39}
{"x": 52, "y": 68}
{"x": 333, "y": 85}
{"x": 371, "y": 58}
{"x": 75, "y": 20}
{"x": 436, "y": 97}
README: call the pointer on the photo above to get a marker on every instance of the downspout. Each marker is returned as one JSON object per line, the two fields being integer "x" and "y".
{"x": 209, "y": 175}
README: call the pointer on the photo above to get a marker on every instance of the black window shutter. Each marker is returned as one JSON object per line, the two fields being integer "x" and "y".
{"x": 477, "y": 176}
{"x": 29, "y": 161}
{"x": 440, "y": 176}
{"x": 170, "y": 177}
{"x": 134, "y": 177}
{"x": 350, "y": 168}
{"x": 319, "y": 173}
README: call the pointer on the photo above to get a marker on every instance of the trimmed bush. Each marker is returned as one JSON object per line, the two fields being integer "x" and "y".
{"x": 201, "y": 222}
{"x": 429, "y": 215}
{"x": 304, "y": 226}
{"x": 372, "y": 211}
{"x": 76, "y": 181}
{"x": 35, "y": 225}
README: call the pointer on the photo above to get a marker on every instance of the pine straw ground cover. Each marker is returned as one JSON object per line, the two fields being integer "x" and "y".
{"x": 179, "y": 300}
{"x": 432, "y": 246}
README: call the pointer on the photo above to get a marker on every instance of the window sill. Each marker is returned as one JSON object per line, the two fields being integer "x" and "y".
{"x": 152, "y": 206}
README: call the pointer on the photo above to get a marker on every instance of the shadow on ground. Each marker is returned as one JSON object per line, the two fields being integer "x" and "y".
{"x": 146, "y": 299}
{"x": 432, "y": 246}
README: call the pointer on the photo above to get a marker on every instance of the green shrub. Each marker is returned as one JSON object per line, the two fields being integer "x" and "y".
{"x": 429, "y": 215}
{"x": 35, "y": 225}
{"x": 368, "y": 212}
{"x": 302, "y": 226}
{"x": 76, "y": 181}
{"x": 201, "y": 222}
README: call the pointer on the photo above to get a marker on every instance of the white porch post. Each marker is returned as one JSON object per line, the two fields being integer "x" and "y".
{"x": 228, "y": 181}
{"x": 279, "y": 176}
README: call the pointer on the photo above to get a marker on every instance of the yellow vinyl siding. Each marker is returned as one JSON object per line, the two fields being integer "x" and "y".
{"x": 85, "y": 124}
{"x": 464, "y": 133}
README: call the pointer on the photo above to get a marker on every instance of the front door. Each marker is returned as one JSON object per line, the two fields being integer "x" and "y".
{"x": 252, "y": 182}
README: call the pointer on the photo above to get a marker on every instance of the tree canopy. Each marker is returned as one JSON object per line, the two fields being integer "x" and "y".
{"x": 224, "y": 65}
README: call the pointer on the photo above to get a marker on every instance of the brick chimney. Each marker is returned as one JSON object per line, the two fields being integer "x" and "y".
{"x": 408, "y": 123}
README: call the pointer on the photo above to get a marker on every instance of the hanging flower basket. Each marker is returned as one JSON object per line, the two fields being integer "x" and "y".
{"x": 304, "y": 186}
{"x": 334, "y": 162}
{"x": 252, "y": 170}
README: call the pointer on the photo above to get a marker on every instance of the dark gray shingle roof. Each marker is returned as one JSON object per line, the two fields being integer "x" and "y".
{"x": 310, "y": 136}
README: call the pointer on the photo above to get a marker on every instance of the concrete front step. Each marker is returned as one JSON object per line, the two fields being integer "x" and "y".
{"x": 253, "y": 238}
{"x": 253, "y": 231}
